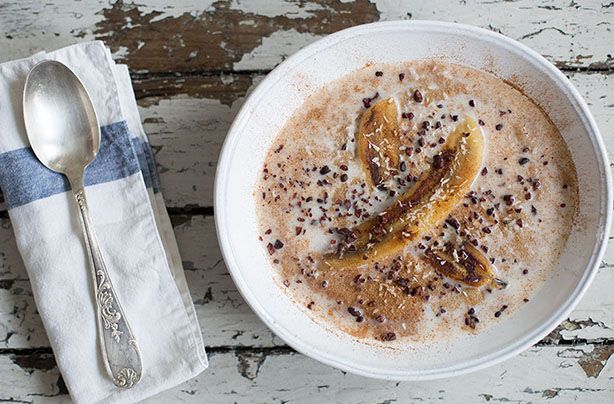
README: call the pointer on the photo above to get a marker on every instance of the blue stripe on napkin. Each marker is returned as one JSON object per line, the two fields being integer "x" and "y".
{"x": 24, "y": 179}
{"x": 147, "y": 163}
{"x": 151, "y": 161}
{"x": 137, "y": 146}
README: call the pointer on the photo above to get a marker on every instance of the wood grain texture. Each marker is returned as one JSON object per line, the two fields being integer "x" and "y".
{"x": 227, "y": 321}
{"x": 156, "y": 36}
{"x": 556, "y": 374}
{"x": 193, "y": 62}
{"x": 187, "y": 126}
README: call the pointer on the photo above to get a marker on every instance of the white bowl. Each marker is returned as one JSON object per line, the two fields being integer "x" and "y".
{"x": 285, "y": 89}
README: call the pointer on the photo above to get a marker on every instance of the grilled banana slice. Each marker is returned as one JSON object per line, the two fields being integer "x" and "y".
{"x": 378, "y": 141}
{"x": 422, "y": 207}
{"x": 466, "y": 265}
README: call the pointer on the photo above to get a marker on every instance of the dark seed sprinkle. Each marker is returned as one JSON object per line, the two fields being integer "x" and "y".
{"x": 484, "y": 171}
{"x": 471, "y": 103}
{"x": 379, "y": 74}
{"x": 407, "y": 115}
{"x": 367, "y": 101}
{"x": 324, "y": 170}
{"x": 499, "y": 126}
{"x": 523, "y": 161}
{"x": 389, "y": 336}
{"x": 343, "y": 177}
{"x": 278, "y": 245}
{"x": 418, "y": 96}
{"x": 354, "y": 312}
{"x": 401, "y": 76}
{"x": 453, "y": 222}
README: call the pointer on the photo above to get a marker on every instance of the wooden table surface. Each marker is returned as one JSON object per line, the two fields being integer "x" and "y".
{"x": 192, "y": 63}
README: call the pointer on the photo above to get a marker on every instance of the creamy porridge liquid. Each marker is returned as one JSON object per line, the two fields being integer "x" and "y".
{"x": 518, "y": 213}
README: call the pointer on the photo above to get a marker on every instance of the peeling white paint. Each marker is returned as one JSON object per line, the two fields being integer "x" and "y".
{"x": 121, "y": 52}
{"x": 174, "y": 9}
{"x": 188, "y": 133}
{"x": 268, "y": 54}
{"x": 578, "y": 33}
{"x": 290, "y": 9}
{"x": 548, "y": 374}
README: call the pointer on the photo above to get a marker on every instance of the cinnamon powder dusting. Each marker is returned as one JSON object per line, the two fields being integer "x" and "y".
{"x": 342, "y": 233}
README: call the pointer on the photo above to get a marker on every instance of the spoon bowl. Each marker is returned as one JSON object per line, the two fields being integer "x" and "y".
{"x": 60, "y": 119}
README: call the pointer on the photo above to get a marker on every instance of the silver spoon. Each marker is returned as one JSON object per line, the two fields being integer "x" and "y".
{"x": 63, "y": 130}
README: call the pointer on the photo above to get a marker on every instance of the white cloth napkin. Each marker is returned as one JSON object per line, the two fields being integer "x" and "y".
{"x": 133, "y": 228}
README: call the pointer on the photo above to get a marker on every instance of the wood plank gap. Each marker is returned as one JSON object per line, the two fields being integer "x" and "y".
{"x": 285, "y": 349}
{"x": 562, "y": 66}
{"x": 199, "y": 73}
{"x": 190, "y": 210}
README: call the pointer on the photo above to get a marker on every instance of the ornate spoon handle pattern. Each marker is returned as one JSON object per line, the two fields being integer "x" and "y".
{"x": 119, "y": 349}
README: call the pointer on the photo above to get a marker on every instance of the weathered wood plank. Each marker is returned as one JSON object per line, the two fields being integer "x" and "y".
{"x": 225, "y": 319}
{"x": 557, "y": 374}
{"x": 156, "y": 36}
{"x": 193, "y": 63}
{"x": 187, "y": 120}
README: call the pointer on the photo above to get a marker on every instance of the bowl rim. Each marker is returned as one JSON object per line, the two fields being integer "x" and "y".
{"x": 464, "y": 367}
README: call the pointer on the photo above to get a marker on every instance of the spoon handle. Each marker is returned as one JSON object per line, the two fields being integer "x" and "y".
{"x": 119, "y": 348}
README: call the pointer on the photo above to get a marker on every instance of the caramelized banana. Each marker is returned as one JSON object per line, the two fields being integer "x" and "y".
{"x": 378, "y": 141}
{"x": 425, "y": 205}
{"x": 466, "y": 265}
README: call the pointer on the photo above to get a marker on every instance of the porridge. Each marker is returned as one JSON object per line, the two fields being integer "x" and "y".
{"x": 416, "y": 199}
